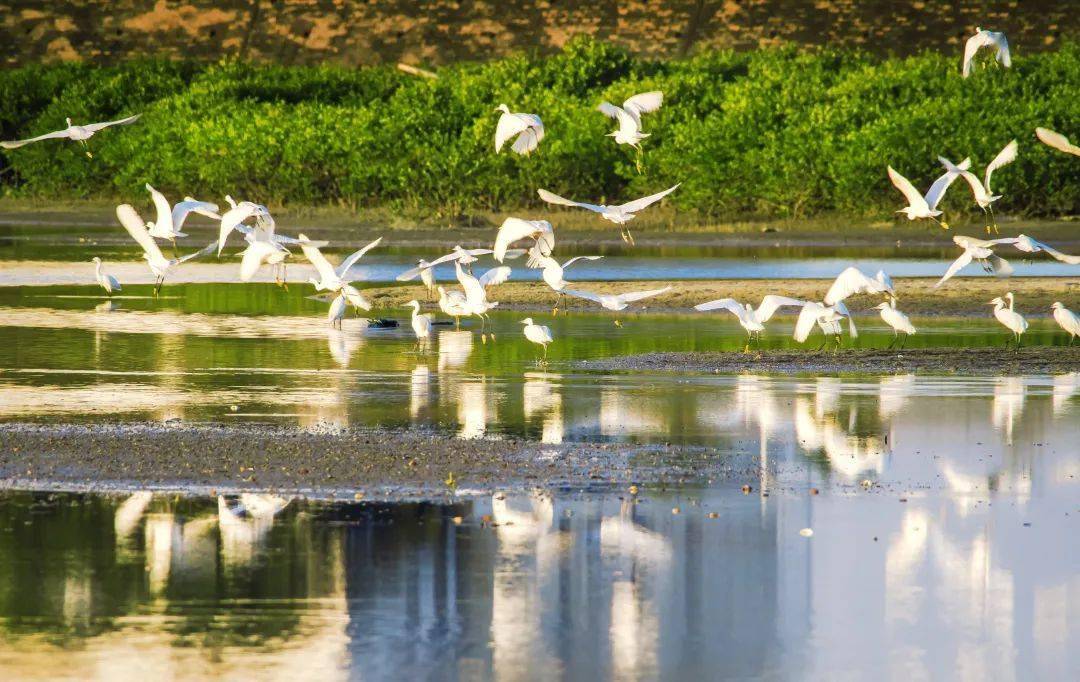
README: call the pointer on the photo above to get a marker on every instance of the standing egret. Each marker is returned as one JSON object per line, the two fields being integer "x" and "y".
{"x": 1067, "y": 319}
{"x": 105, "y": 280}
{"x": 984, "y": 38}
{"x": 1057, "y": 141}
{"x": 454, "y": 304}
{"x": 331, "y": 278}
{"x": 427, "y": 276}
{"x": 920, "y": 206}
{"x": 853, "y": 281}
{"x": 465, "y": 256}
{"x": 753, "y": 321}
{"x": 620, "y": 214}
{"x": 899, "y": 321}
{"x": 528, "y": 128}
{"x": 78, "y": 133}
{"x": 827, "y": 318}
{"x": 981, "y": 188}
{"x": 552, "y": 273}
{"x": 616, "y": 302}
{"x": 982, "y": 251}
{"x": 1012, "y": 320}
{"x": 538, "y": 334}
{"x": 1029, "y": 245}
{"x": 421, "y": 323}
{"x": 337, "y": 310}
{"x": 515, "y": 229}
{"x": 159, "y": 264}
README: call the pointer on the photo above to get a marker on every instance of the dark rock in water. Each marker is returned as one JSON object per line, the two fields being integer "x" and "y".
{"x": 382, "y": 323}
{"x": 442, "y": 323}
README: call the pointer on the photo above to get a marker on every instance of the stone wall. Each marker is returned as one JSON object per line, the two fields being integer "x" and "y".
{"x": 435, "y": 32}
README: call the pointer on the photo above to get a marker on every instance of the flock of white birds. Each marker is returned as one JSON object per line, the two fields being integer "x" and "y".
{"x": 265, "y": 247}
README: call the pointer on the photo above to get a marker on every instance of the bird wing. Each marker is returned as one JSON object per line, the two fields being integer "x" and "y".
{"x": 608, "y": 109}
{"x": 204, "y": 251}
{"x": 529, "y": 139}
{"x": 1049, "y": 250}
{"x": 639, "y": 204}
{"x": 936, "y": 192}
{"x": 808, "y": 316}
{"x": 514, "y": 229}
{"x": 728, "y": 304}
{"x": 232, "y": 219}
{"x": 957, "y": 265}
{"x": 161, "y": 205}
{"x": 182, "y": 210}
{"x": 509, "y": 126}
{"x": 552, "y": 198}
{"x": 848, "y": 283}
{"x": 915, "y": 200}
{"x": 254, "y": 255}
{"x": 632, "y": 296}
{"x": 644, "y": 103}
{"x": 771, "y": 303}
{"x": 842, "y": 309}
{"x": 94, "y": 127}
{"x": 577, "y": 258}
{"x": 976, "y": 186}
{"x": 1002, "y": 43}
{"x": 317, "y": 259}
{"x": 136, "y": 227}
{"x": 495, "y": 276}
{"x": 970, "y": 48}
{"x": 587, "y": 295}
{"x": 355, "y": 256}
{"x": 15, "y": 144}
{"x": 1006, "y": 156}
{"x": 1057, "y": 141}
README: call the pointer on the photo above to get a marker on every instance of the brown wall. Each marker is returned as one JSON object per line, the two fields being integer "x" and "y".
{"x": 435, "y": 32}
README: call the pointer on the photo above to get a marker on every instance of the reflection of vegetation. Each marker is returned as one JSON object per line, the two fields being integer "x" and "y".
{"x": 772, "y": 131}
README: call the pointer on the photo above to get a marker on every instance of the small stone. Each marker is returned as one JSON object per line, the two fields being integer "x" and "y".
{"x": 713, "y": 515}
{"x": 457, "y": 520}
{"x": 747, "y": 490}
{"x": 814, "y": 491}
{"x": 676, "y": 510}
{"x": 359, "y": 495}
{"x": 633, "y": 490}
{"x": 867, "y": 483}
{"x": 806, "y": 532}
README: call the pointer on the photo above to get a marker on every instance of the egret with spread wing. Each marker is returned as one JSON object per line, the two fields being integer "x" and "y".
{"x": 552, "y": 273}
{"x": 516, "y": 229}
{"x": 475, "y": 288}
{"x": 984, "y": 38}
{"x": 159, "y": 264}
{"x": 853, "y": 281}
{"x": 619, "y": 214}
{"x": 920, "y": 206}
{"x": 1029, "y": 245}
{"x": 981, "y": 188}
{"x": 827, "y": 318}
{"x": 331, "y": 278}
{"x": 465, "y": 256}
{"x": 629, "y": 116}
{"x": 616, "y": 302}
{"x": 753, "y": 321}
{"x": 73, "y": 132}
{"x": 528, "y": 128}
{"x": 981, "y": 250}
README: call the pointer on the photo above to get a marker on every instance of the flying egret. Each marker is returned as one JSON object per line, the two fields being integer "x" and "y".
{"x": 1029, "y": 245}
{"x": 853, "y": 281}
{"x": 920, "y": 206}
{"x": 981, "y": 188}
{"x": 159, "y": 264}
{"x": 1057, "y": 141}
{"x": 616, "y": 302}
{"x": 552, "y": 273}
{"x": 421, "y": 323}
{"x": 1067, "y": 319}
{"x": 1012, "y": 320}
{"x": 170, "y": 218}
{"x": 982, "y": 251}
{"x": 528, "y": 128}
{"x": 259, "y": 253}
{"x": 105, "y": 280}
{"x": 827, "y": 318}
{"x": 899, "y": 321}
{"x": 538, "y": 334}
{"x": 984, "y": 38}
{"x": 475, "y": 289}
{"x": 465, "y": 256}
{"x": 629, "y": 118}
{"x": 330, "y": 278}
{"x": 516, "y": 229}
{"x": 78, "y": 133}
{"x": 454, "y": 304}
{"x": 753, "y": 321}
{"x": 619, "y": 214}
{"x": 337, "y": 310}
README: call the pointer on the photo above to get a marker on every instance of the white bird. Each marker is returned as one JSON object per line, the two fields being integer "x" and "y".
{"x": 331, "y": 278}
{"x": 234, "y": 218}
{"x": 899, "y": 321}
{"x": 427, "y": 276}
{"x": 421, "y": 323}
{"x": 1012, "y": 320}
{"x": 538, "y": 334}
{"x": 981, "y": 188}
{"x": 1029, "y": 245}
{"x": 171, "y": 218}
{"x": 78, "y": 133}
{"x": 159, "y": 264}
{"x": 259, "y": 253}
{"x": 105, "y": 280}
{"x": 827, "y": 318}
{"x": 182, "y": 210}
{"x": 453, "y": 304}
{"x": 984, "y": 38}
{"x": 629, "y": 116}
{"x": 516, "y": 229}
{"x": 1057, "y": 141}
{"x": 753, "y": 321}
{"x": 337, "y": 310}
{"x": 552, "y": 273}
{"x": 475, "y": 289}
{"x": 853, "y": 281}
{"x": 466, "y": 256}
{"x": 528, "y": 128}
{"x": 619, "y": 214}
{"x": 982, "y": 251}
{"x": 920, "y": 206}
{"x": 616, "y": 302}
{"x": 1067, "y": 319}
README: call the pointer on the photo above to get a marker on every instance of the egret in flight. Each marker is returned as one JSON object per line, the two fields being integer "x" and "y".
{"x": 920, "y": 206}
{"x": 528, "y": 128}
{"x": 981, "y": 250}
{"x": 853, "y": 281}
{"x": 619, "y": 214}
{"x": 616, "y": 302}
{"x": 73, "y": 132}
{"x": 105, "y": 280}
{"x": 1067, "y": 320}
{"x": 516, "y": 229}
{"x": 629, "y": 119}
{"x": 538, "y": 334}
{"x": 476, "y": 299}
{"x": 465, "y": 256}
{"x": 827, "y": 318}
{"x": 159, "y": 264}
{"x": 984, "y": 38}
{"x": 899, "y": 321}
{"x": 1057, "y": 141}
{"x": 1007, "y": 316}
{"x": 421, "y": 324}
{"x": 753, "y": 321}
{"x": 331, "y": 278}
{"x": 1029, "y": 245}
{"x": 552, "y": 273}
{"x": 171, "y": 218}
{"x": 981, "y": 188}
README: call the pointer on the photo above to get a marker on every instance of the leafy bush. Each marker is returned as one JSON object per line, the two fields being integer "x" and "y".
{"x": 774, "y": 132}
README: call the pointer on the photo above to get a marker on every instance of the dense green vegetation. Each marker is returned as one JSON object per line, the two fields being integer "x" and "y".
{"x": 777, "y": 132}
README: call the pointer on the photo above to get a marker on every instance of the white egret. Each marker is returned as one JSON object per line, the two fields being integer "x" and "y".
{"x": 1007, "y": 316}
{"x": 330, "y": 278}
{"x": 337, "y": 310}
{"x": 981, "y": 188}
{"x": 853, "y": 281}
{"x": 1029, "y": 245}
{"x": 629, "y": 116}
{"x": 982, "y": 251}
{"x": 899, "y": 321}
{"x": 259, "y": 253}
{"x": 516, "y": 229}
{"x": 552, "y": 273}
{"x": 619, "y": 214}
{"x": 1067, "y": 320}
{"x": 73, "y": 132}
{"x": 475, "y": 288}
{"x": 105, "y": 280}
{"x": 171, "y": 218}
{"x": 984, "y": 38}
{"x": 454, "y": 304}
{"x": 616, "y": 302}
{"x": 528, "y": 128}
{"x": 920, "y": 206}
{"x": 1057, "y": 141}
{"x": 538, "y": 334}
{"x": 465, "y": 256}
{"x": 159, "y": 264}
{"x": 238, "y": 212}
{"x": 427, "y": 276}
{"x": 827, "y": 318}
{"x": 421, "y": 323}
{"x": 753, "y": 321}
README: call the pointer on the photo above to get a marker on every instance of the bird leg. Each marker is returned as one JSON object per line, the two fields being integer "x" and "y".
{"x": 1019, "y": 343}
{"x": 895, "y": 338}
{"x": 157, "y": 285}
{"x": 639, "y": 160}
{"x": 558, "y": 299}
{"x": 626, "y": 236}
{"x": 618, "y": 324}
{"x": 993, "y": 220}
{"x": 904, "y": 342}
{"x": 86, "y": 148}
{"x": 823, "y": 342}
{"x": 175, "y": 251}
